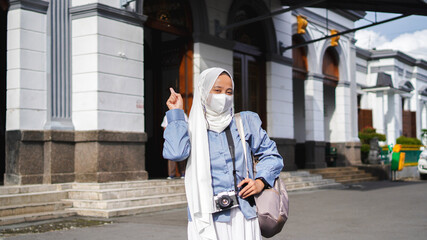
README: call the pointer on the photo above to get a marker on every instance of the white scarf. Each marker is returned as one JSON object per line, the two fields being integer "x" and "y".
{"x": 198, "y": 180}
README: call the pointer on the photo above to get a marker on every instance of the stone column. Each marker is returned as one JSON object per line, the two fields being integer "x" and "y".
{"x": 59, "y": 147}
{"x": 59, "y": 75}
{"x": 280, "y": 121}
{"x": 394, "y": 116}
{"x": 378, "y": 113}
{"x": 348, "y": 150}
{"x": 354, "y": 137}
{"x": 26, "y": 91}
{"x": 315, "y": 144}
{"x": 107, "y": 92}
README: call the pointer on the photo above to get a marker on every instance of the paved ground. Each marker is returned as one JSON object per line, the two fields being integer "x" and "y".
{"x": 375, "y": 210}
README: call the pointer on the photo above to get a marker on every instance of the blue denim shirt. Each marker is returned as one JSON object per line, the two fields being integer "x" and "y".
{"x": 177, "y": 148}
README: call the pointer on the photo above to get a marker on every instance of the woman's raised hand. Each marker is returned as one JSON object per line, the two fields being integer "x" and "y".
{"x": 175, "y": 100}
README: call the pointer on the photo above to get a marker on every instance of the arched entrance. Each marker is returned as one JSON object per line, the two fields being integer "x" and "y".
{"x": 299, "y": 74}
{"x": 3, "y": 65}
{"x": 168, "y": 62}
{"x": 249, "y": 62}
{"x": 330, "y": 72}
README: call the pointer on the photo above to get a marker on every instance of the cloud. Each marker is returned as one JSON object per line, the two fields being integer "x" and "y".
{"x": 414, "y": 44}
{"x": 369, "y": 39}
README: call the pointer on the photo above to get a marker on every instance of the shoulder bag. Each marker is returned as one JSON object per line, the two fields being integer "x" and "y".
{"x": 272, "y": 203}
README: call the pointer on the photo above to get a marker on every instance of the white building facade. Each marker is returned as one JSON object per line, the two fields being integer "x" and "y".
{"x": 87, "y": 82}
{"x": 393, "y": 87}
{"x": 324, "y": 90}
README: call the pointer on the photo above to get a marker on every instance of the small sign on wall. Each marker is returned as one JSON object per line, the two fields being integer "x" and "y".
{"x": 139, "y": 104}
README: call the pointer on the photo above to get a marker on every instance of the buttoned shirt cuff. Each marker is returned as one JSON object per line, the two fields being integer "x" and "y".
{"x": 267, "y": 176}
{"x": 266, "y": 185}
{"x": 175, "y": 115}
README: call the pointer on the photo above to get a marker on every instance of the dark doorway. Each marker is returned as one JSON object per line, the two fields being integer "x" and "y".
{"x": 330, "y": 67}
{"x": 249, "y": 80}
{"x": 3, "y": 48}
{"x": 168, "y": 62}
{"x": 364, "y": 116}
{"x": 249, "y": 63}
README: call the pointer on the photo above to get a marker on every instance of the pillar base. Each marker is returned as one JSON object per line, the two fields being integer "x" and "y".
{"x": 103, "y": 156}
{"x": 286, "y": 148}
{"x": 48, "y": 156}
{"x": 315, "y": 154}
{"x": 348, "y": 153}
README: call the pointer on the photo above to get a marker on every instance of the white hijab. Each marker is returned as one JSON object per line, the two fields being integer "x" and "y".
{"x": 198, "y": 180}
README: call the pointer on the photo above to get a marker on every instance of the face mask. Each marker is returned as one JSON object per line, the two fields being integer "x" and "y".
{"x": 219, "y": 103}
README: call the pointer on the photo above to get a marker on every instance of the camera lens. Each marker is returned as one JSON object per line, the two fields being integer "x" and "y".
{"x": 225, "y": 201}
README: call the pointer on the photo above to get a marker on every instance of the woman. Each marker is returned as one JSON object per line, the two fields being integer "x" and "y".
{"x": 209, "y": 171}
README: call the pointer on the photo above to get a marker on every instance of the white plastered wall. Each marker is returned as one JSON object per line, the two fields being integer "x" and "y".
{"x": 280, "y": 121}
{"x": 26, "y": 70}
{"x": 107, "y": 58}
{"x": 314, "y": 118}
{"x": 279, "y": 101}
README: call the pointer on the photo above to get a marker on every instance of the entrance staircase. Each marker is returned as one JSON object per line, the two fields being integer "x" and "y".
{"x": 305, "y": 181}
{"x": 126, "y": 198}
{"x": 344, "y": 175}
{"x": 33, "y": 203}
{"x": 40, "y": 202}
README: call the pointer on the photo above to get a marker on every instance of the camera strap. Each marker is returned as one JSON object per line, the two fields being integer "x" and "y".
{"x": 233, "y": 157}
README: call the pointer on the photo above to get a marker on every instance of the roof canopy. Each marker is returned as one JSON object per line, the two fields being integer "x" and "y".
{"x": 416, "y": 7}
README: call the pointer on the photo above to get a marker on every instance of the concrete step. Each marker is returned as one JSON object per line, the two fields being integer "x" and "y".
{"x": 33, "y": 208}
{"x": 332, "y": 169}
{"x": 118, "y": 198}
{"x": 305, "y": 181}
{"x": 303, "y": 184}
{"x": 313, "y": 178}
{"x": 32, "y": 197}
{"x": 128, "y": 202}
{"x": 130, "y": 184}
{"x": 35, "y": 217}
{"x": 108, "y": 213}
{"x": 298, "y": 173}
{"x": 107, "y": 194}
{"x": 343, "y": 173}
{"x": 18, "y": 189}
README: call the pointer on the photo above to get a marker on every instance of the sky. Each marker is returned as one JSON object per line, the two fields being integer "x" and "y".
{"x": 408, "y": 35}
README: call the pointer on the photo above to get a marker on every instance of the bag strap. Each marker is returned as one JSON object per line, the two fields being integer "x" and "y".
{"x": 241, "y": 130}
{"x": 233, "y": 157}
